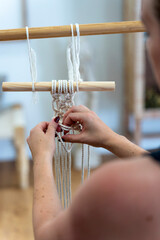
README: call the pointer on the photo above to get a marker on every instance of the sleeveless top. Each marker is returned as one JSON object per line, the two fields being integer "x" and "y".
{"x": 156, "y": 156}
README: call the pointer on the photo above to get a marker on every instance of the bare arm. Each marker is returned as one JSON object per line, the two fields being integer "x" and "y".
{"x": 122, "y": 147}
{"x": 110, "y": 205}
{"x": 117, "y": 202}
{"x": 46, "y": 203}
{"x": 98, "y": 134}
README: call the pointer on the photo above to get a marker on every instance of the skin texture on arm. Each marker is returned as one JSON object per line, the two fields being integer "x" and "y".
{"x": 46, "y": 203}
{"x": 119, "y": 201}
{"x": 46, "y": 200}
{"x": 98, "y": 134}
{"x": 123, "y": 148}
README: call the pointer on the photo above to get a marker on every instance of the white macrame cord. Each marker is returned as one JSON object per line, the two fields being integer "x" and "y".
{"x": 62, "y": 100}
{"x": 33, "y": 66}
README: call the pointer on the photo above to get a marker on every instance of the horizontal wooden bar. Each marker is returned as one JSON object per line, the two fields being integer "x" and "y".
{"x": 65, "y": 31}
{"x": 47, "y": 86}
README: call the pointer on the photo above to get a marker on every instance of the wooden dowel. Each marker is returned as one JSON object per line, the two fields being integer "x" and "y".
{"x": 65, "y": 31}
{"x": 47, "y": 86}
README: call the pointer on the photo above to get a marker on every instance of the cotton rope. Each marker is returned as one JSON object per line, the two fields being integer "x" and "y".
{"x": 63, "y": 94}
{"x": 33, "y": 67}
{"x": 62, "y": 101}
{"x": 88, "y": 155}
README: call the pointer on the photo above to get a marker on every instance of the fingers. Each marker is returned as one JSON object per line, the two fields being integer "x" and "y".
{"x": 74, "y": 109}
{"x": 53, "y": 126}
{"x": 74, "y": 138}
{"x": 72, "y": 118}
{"x": 43, "y": 126}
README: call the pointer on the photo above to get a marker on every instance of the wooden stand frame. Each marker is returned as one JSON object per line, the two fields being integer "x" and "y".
{"x": 47, "y": 86}
{"x": 135, "y": 76}
{"x": 65, "y": 31}
{"x": 22, "y": 161}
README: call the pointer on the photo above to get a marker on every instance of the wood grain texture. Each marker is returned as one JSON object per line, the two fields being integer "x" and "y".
{"x": 47, "y": 86}
{"x": 22, "y": 161}
{"x": 65, "y": 31}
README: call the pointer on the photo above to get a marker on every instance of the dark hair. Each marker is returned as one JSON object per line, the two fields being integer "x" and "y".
{"x": 157, "y": 8}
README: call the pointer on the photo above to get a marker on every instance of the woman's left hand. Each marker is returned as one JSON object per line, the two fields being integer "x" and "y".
{"x": 42, "y": 139}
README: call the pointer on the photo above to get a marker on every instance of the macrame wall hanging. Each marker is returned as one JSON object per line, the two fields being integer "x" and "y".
{"x": 33, "y": 67}
{"x": 61, "y": 103}
{"x": 63, "y": 91}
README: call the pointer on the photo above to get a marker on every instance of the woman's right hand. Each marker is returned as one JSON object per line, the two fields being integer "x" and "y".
{"x": 94, "y": 132}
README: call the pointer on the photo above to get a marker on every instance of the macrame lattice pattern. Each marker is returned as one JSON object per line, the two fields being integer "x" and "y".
{"x": 61, "y": 103}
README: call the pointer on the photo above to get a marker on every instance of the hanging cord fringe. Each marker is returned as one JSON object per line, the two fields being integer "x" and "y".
{"x": 61, "y": 103}
{"x": 33, "y": 67}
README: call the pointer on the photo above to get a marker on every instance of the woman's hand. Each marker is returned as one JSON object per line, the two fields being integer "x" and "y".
{"x": 42, "y": 139}
{"x": 94, "y": 131}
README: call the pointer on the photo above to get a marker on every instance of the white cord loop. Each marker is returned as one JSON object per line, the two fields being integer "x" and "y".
{"x": 33, "y": 65}
{"x": 63, "y": 100}
{"x": 54, "y": 87}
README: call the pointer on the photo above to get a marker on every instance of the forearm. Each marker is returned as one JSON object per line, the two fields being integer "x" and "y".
{"x": 123, "y": 148}
{"x": 46, "y": 203}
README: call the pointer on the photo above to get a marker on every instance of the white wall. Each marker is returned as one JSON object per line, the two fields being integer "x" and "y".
{"x": 107, "y": 52}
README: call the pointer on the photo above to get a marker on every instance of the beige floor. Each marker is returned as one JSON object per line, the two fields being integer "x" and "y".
{"x": 16, "y": 211}
{"x": 16, "y": 214}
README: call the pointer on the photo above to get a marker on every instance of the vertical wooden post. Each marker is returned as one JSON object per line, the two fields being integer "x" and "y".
{"x": 139, "y": 79}
{"x": 134, "y": 71}
{"x": 129, "y": 52}
{"x": 22, "y": 162}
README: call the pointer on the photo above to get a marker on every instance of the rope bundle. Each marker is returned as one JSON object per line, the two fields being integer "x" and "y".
{"x": 33, "y": 67}
{"x": 61, "y": 103}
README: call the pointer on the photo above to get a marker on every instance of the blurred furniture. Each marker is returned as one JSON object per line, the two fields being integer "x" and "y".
{"x": 135, "y": 77}
{"x": 13, "y": 128}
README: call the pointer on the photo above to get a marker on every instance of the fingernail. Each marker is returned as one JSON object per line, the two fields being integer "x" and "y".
{"x": 57, "y": 119}
{"x": 58, "y": 129}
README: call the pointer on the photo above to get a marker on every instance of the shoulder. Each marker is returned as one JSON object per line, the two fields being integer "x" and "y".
{"x": 122, "y": 193}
